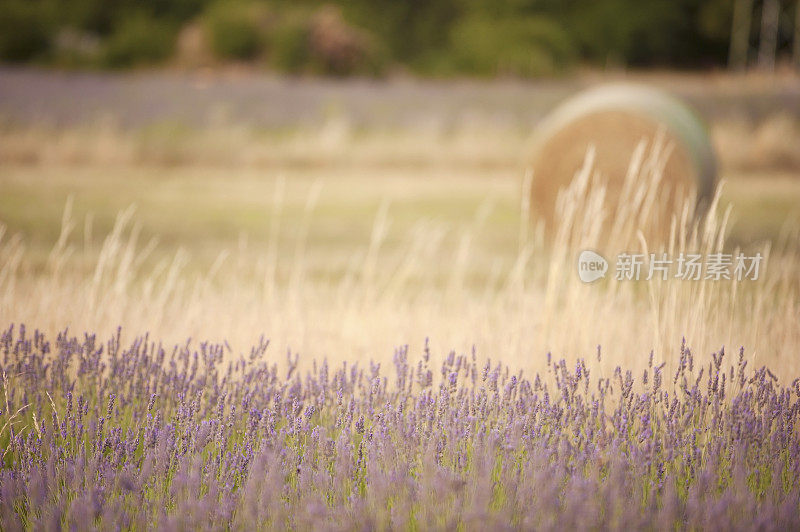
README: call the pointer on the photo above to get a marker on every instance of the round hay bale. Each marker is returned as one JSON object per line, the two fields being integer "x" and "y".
{"x": 614, "y": 119}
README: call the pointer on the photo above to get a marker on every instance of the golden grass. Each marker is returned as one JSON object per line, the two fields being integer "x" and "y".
{"x": 335, "y": 143}
{"x": 427, "y": 280}
{"x": 772, "y": 143}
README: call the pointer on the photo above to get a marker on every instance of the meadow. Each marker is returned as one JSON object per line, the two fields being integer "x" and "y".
{"x": 347, "y": 327}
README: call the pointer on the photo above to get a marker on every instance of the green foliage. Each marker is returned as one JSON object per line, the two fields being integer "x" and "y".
{"x": 657, "y": 32}
{"x": 483, "y": 37}
{"x": 24, "y": 30}
{"x": 236, "y": 29}
{"x": 139, "y": 39}
{"x": 289, "y": 51}
{"x": 411, "y": 29}
{"x": 528, "y": 46}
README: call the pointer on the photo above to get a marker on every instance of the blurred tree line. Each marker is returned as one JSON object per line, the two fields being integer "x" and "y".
{"x": 434, "y": 37}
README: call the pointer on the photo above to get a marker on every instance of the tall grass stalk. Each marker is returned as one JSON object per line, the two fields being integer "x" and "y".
{"x": 516, "y": 311}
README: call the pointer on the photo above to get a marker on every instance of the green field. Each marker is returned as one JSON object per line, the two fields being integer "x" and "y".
{"x": 205, "y": 210}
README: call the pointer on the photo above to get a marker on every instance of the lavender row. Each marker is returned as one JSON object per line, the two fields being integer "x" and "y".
{"x": 100, "y": 435}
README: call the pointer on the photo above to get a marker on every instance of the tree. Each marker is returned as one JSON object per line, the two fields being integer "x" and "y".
{"x": 768, "y": 39}
{"x": 740, "y": 34}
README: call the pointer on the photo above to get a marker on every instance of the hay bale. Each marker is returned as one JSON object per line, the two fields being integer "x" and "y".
{"x": 615, "y": 119}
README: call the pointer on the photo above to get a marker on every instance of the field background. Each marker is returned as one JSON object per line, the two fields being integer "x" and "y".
{"x": 344, "y": 218}
{"x": 313, "y": 222}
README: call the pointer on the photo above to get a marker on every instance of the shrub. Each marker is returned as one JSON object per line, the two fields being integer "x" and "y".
{"x": 236, "y": 30}
{"x": 24, "y": 27}
{"x": 139, "y": 39}
{"x": 525, "y": 46}
{"x": 74, "y": 48}
{"x": 338, "y": 48}
{"x": 289, "y": 41}
{"x": 322, "y": 42}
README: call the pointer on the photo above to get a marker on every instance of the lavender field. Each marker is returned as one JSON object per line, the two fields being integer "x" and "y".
{"x": 135, "y": 431}
{"x": 105, "y": 435}
{"x": 355, "y": 323}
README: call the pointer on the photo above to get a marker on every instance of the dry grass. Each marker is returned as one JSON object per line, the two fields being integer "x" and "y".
{"x": 335, "y": 143}
{"x": 773, "y": 143}
{"x": 770, "y": 144}
{"x": 426, "y": 280}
